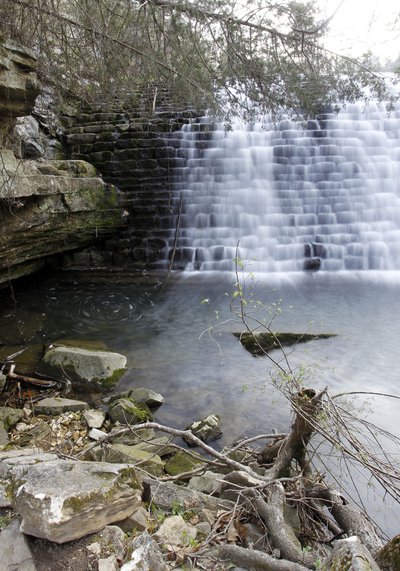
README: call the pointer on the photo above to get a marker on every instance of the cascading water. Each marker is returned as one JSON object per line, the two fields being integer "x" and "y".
{"x": 322, "y": 196}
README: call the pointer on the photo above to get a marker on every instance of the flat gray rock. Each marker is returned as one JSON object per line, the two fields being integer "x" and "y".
{"x": 63, "y": 500}
{"x": 85, "y": 368}
{"x": 14, "y": 549}
{"x": 57, "y": 405}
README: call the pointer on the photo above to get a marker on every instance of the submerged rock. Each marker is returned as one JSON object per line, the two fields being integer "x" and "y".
{"x": 62, "y": 500}
{"x": 258, "y": 344}
{"x": 86, "y": 369}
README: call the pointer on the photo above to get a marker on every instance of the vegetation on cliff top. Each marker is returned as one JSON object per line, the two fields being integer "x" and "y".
{"x": 219, "y": 54}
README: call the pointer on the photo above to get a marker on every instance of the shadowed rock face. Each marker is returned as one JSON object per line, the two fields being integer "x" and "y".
{"x": 46, "y": 207}
{"x": 19, "y": 85}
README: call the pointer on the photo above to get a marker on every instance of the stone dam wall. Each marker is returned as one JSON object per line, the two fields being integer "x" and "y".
{"x": 138, "y": 152}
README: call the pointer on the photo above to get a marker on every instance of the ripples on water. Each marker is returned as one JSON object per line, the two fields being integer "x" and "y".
{"x": 162, "y": 327}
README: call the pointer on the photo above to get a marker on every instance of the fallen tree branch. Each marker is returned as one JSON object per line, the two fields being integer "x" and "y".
{"x": 252, "y": 559}
{"x": 280, "y": 532}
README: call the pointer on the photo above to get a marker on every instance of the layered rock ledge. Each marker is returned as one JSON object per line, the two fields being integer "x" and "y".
{"x": 46, "y": 206}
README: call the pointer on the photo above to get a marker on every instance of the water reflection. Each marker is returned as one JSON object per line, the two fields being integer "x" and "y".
{"x": 185, "y": 349}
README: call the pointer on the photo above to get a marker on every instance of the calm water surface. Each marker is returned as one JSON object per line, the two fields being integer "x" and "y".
{"x": 185, "y": 349}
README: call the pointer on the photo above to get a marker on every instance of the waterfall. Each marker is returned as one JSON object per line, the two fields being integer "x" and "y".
{"x": 324, "y": 195}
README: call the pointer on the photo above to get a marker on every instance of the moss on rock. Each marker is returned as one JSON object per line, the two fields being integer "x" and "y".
{"x": 258, "y": 344}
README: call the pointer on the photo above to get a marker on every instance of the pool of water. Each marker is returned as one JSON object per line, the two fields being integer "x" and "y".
{"x": 177, "y": 336}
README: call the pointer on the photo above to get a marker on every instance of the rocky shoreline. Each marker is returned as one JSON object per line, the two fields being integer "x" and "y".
{"x": 107, "y": 488}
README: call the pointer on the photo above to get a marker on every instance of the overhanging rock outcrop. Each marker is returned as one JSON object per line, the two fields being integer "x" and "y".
{"x": 50, "y": 207}
{"x": 46, "y": 207}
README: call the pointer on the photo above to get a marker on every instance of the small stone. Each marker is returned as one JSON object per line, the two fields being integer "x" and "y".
{"x": 96, "y": 434}
{"x": 113, "y": 538}
{"x": 175, "y": 532}
{"x": 207, "y": 483}
{"x": 3, "y": 380}
{"x": 94, "y": 548}
{"x": 138, "y": 520}
{"x": 109, "y": 564}
{"x": 10, "y": 416}
{"x": 204, "y": 528}
{"x": 94, "y": 418}
{"x": 21, "y": 426}
{"x": 3, "y": 434}
{"x": 144, "y": 555}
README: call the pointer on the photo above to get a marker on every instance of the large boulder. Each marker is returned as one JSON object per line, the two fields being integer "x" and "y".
{"x": 87, "y": 369}
{"x": 62, "y": 500}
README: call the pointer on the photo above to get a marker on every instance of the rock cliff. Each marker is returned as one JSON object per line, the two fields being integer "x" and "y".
{"x": 46, "y": 206}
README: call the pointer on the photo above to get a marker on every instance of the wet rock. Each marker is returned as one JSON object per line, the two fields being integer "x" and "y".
{"x": 55, "y": 405}
{"x": 127, "y": 411}
{"x": 207, "y": 429}
{"x": 94, "y": 418}
{"x": 141, "y": 396}
{"x": 258, "y": 344}
{"x": 14, "y": 549}
{"x": 63, "y": 500}
{"x": 86, "y": 369}
{"x": 349, "y": 555}
{"x": 144, "y": 555}
{"x": 175, "y": 532}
